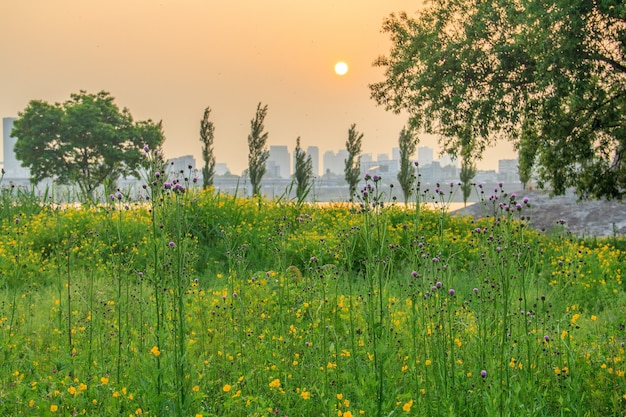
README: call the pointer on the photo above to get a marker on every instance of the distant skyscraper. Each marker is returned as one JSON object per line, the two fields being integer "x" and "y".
{"x": 279, "y": 156}
{"x": 382, "y": 157}
{"x": 314, "y": 153}
{"x": 395, "y": 154}
{"x": 11, "y": 165}
{"x": 424, "y": 155}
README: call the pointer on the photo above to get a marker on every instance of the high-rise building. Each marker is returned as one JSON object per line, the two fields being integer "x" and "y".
{"x": 279, "y": 158}
{"x": 508, "y": 170}
{"x": 11, "y": 165}
{"x": 395, "y": 154}
{"x": 424, "y": 155}
{"x": 314, "y": 153}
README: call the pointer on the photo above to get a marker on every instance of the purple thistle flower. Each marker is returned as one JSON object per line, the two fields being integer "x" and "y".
{"x": 171, "y": 244}
{"x": 414, "y": 274}
{"x": 483, "y": 373}
{"x": 451, "y": 291}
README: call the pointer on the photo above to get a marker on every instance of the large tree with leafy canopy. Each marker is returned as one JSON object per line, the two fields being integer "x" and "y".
{"x": 549, "y": 75}
{"x": 86, "y": 141}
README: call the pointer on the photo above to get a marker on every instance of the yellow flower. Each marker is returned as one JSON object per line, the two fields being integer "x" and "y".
{"x": 138, "y": 411}
{"x": 82, "y": 387}
{"x": 428, "y": 362}
{"x": 155, "y": 351}
{"x": 275, "y": 383}
{"x": 226, "y": 388}
{"x": 305, "y": 395}
{"x": 407, "y": 406}
{"x": 196, "y": 388}
{"x": 104, "y": 380}
{"x": 72, "y": 390}
{"x": 340, "y": 397}
{"x": 594, "y": 318}
{"x": 347, "y": 414}
{"x": 54, "y": 408}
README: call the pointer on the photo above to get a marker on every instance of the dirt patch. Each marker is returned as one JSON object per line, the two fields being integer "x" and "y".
{"x": 599, "y": 218}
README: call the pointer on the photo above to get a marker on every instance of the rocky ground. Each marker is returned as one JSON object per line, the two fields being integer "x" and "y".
{"x": 599, "y": 218}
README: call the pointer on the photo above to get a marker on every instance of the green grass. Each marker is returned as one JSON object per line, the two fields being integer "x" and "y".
{"x": 201, "y": 303}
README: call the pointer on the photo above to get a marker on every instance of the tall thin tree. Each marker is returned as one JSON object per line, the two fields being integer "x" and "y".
{"x": 207, "y": 134}
{"x": 303, "y": 171}
{"x": 352, "y": 170}
{"x": 408, "y": 144}
{"x": 257, "y": 146}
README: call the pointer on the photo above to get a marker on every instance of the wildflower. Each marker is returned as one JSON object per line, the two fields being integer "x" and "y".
{"x": 407, "y": 406}
{"x": 428, "y": 362}
{"x": 104, "y": 380}
{"x": 72, "y": 390}
{"x": 171, "y": 244}
{"x": 483, "y": 373}
{"x": 195, "y": 388}
{"x": 226, "y": 388}
{"x": 594, "y": 318}
{"x": 451, "y": 291}
{"x": 54, "y": 408}
{"x": 305, "y": 395}
{"x": 275, "y": 383}
{"x": 155, "y": 351}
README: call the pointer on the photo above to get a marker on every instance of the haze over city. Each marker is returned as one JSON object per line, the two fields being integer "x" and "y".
{"x": 169, "y": 60}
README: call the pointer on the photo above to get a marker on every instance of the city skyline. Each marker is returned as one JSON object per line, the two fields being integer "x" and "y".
{"x": 169, "y": 60}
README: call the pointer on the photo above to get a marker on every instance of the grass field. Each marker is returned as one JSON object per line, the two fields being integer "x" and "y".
{"x": 190, "y": 303}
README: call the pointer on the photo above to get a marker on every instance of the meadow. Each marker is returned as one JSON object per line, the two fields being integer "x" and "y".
{"x": 186, "y": 302}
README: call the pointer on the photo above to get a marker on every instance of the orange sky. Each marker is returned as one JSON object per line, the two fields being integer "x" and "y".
{"x": 169, "y": 59}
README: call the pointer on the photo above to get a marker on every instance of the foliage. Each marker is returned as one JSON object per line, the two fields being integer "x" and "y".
{"x": 467, "y": 174}
{"x": 352, "y": 170}
{"x": 303, "y": 171}
{"x": 258, "y": 153}
{"x": 406, "y": 175}
{"x": 207, "y": 134}
{"x": 86, "y": 140}
{"x": 304, "y": 309}
{"x": 549, "y": 76}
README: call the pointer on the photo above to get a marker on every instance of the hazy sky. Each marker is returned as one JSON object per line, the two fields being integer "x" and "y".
{"x": 170, "y": 59}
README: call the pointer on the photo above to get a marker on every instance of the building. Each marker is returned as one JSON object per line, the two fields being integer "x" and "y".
{"x": 508, "y": 170}
{"x": 424, "y": 155}
{"x": 279, "y": 162}
{"x": 181, "y": 164}
{"x": 11, "y": 165}
{"x": 335, "y": 163}
{"x": 314, "y": 153}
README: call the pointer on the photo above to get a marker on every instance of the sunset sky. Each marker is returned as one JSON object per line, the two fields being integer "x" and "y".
{"x": 170, "y": 59}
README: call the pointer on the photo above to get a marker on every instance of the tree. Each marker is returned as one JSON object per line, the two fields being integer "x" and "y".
{"x": 468, "y": 172}
{"x": 549, "y": 76}
{"x": 207, "y": 133}
{"x": 352, "y": 170}
{"x": 84, "y": 141}
{"x": 258, "y": 153}
{"x": 408, "y": 145}
{"x": 303, "y": 171}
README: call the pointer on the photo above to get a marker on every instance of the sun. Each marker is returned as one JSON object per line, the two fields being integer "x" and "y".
{"x": 341, "y": 68}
